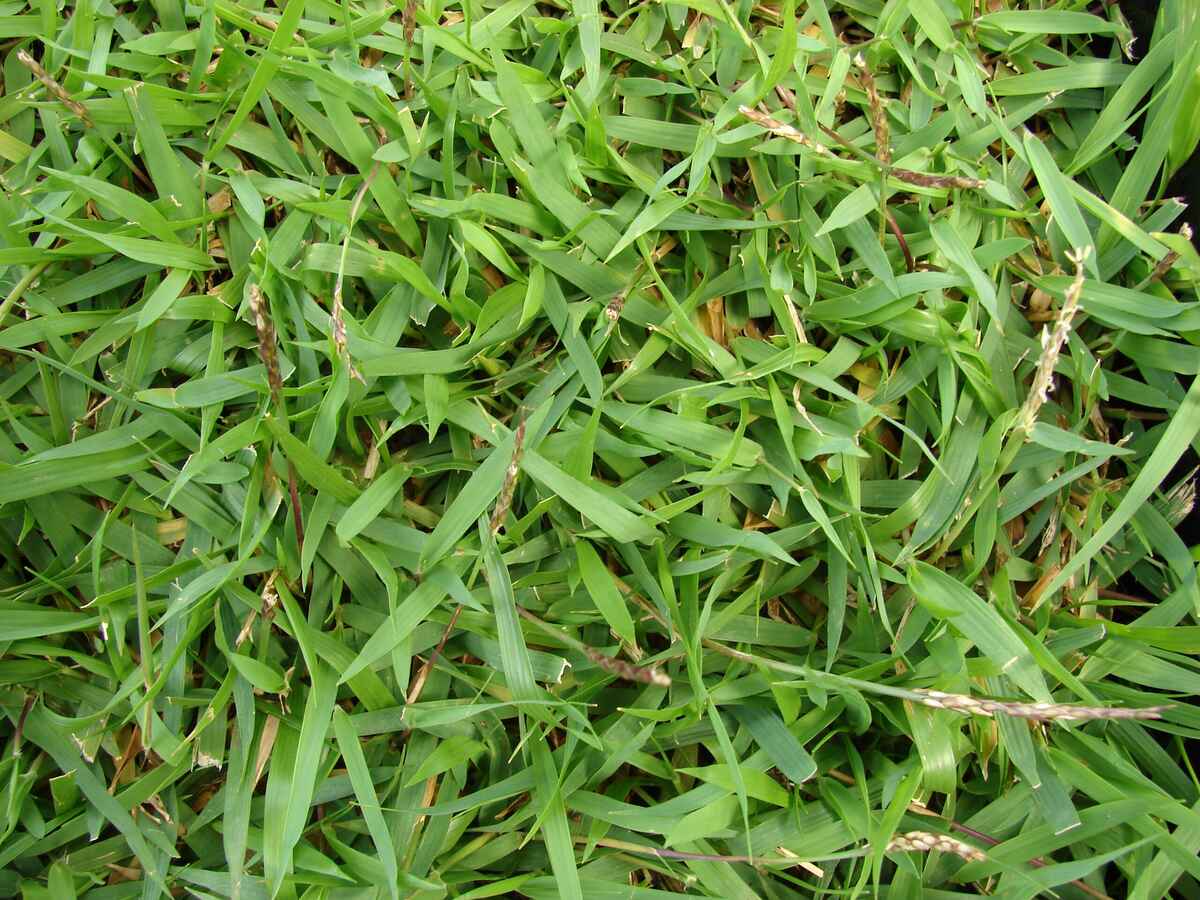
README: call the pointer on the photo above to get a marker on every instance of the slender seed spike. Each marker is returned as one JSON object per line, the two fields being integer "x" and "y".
{"x": 55, "y": 89}
{"x": 922, "y": 179}
{"x": 883, "y": 148}
{"x": 1039, "y": 712}
{"x": 337, "y": 313}
{"x": 622, "y": 669}
{"x": 510, "y": 481}
{"x": 783, "y": 130}
{"x": 1052, "y": 343}
{"x": 267, "y": 350}
{"x": 927, "y": 842}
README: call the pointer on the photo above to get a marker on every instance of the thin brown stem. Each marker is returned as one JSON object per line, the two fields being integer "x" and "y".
{"x": 1163, "y": 266}
{"x": 427, "y": 666}
{"x": 297, "y": 518}
{"x": 894, "y": 227}
{"x": 19, "y": 731}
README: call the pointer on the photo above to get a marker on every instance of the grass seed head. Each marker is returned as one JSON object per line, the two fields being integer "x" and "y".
{"x": 1053, "y": 340}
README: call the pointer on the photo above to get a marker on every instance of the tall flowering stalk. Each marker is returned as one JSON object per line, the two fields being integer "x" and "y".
{"x": 269, "y": 353}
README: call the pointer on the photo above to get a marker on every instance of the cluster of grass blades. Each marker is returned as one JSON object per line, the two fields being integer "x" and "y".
{"x": 574, "y": 450}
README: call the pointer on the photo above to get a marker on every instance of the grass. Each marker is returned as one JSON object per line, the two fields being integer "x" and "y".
{"x": 608, "y": 451}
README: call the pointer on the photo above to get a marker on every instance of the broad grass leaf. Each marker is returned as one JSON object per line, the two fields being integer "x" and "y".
{"x": 1066, "y": 211}
{"x": 773, "y": 736}
{"x": 410, "y": 612}
{"x": 603, "y": 591}
{"x": 468, "y": 505}
{"x": 969, "y": 614}
{"x": 372, "y": 502}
